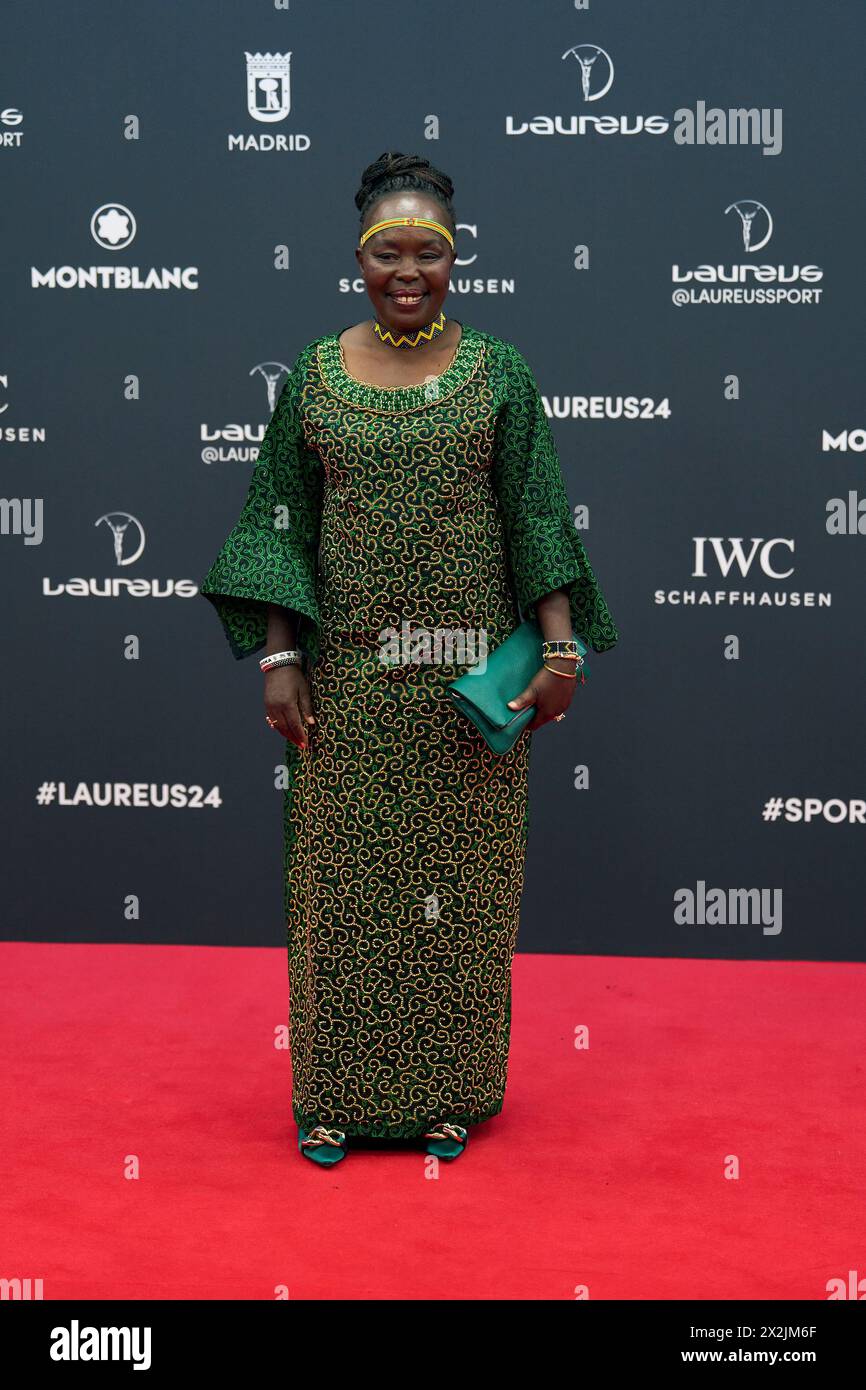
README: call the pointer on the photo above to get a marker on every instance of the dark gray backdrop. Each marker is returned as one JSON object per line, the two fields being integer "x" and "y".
{"x": 683, "y": 746}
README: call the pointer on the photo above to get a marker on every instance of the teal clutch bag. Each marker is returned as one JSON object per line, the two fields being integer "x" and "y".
{"x": 483, "y": 695}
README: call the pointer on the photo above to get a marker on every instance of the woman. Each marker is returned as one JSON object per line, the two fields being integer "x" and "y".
{"x": 407, "y": 476}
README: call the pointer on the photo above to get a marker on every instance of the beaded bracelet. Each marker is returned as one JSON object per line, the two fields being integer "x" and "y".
{"x": 290, "y": 658}
{"x": 566, "y": 648}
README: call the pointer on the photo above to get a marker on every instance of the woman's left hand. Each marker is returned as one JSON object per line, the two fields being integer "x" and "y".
{"x": 551, "y": 693}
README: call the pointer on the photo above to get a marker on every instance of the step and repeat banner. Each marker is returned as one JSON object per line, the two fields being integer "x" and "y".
{"x": 662, "y": 206}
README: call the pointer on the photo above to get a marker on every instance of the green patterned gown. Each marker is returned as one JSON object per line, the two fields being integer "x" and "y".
{"x": 441, "y": 506}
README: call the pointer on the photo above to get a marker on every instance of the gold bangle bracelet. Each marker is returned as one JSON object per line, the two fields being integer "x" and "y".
{"x": 565, "y": 674}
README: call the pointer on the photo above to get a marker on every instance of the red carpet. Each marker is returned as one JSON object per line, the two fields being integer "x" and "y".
{"x": 606, "y": 1169}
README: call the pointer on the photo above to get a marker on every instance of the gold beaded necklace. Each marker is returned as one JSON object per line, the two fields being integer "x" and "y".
{"x": 422, "y": 336}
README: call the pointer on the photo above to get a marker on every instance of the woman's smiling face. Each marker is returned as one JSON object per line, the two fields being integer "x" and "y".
{"x": 408, "y": 264}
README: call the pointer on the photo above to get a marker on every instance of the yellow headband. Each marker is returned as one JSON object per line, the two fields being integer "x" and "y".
{"x": 409, "y": 222}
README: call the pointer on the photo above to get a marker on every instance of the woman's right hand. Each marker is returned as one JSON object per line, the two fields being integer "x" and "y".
{"x": 289, "y": 703}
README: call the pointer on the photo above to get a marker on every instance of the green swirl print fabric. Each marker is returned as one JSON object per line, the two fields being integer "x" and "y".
{"x": 442, "y": 507}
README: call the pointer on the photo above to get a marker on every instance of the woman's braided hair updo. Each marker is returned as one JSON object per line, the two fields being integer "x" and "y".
{"x": 393, "y": 172}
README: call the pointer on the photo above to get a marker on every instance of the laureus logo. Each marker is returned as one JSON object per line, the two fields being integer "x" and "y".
{"x": 702, "y": 124}
{"x": 749, "y": 282}
{"x": 119, "y": 523}
{"x": 234, "y": 442}
{"x": 757, "y": 223}
{"x": 271, "y": 371}
{"x": 9, "y": 138}
{"x": 596, "y": 69}
{"x": 127, "y": 544}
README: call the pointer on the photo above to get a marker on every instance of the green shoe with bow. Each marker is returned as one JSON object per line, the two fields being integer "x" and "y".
{"x": 324, "y": 1146}
{"x": 447, "y": 1141}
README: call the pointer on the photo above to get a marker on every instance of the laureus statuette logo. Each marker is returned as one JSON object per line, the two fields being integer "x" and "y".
{"x": 596, "y": 69}
{"x": 118, "y": 524}
{"x": 756, "y": 220}
{"x": 271, "y": 371}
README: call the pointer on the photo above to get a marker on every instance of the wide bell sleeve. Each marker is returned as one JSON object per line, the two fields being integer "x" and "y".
{"x": 270, "y": 555}
{"x": 544, "y": 548}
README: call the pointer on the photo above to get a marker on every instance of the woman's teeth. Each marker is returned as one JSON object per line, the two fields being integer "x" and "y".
{"x": 407, "y": 298}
